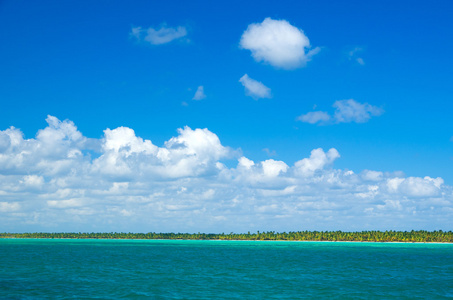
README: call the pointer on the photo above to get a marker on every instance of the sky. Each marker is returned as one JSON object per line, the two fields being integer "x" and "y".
{"x": 210, "y": 116}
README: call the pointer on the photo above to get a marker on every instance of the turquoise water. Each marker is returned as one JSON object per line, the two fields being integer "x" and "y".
{"x": 170, "y": 269}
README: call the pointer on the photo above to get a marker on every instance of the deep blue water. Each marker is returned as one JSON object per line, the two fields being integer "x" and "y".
{"x": 170, "y": 269}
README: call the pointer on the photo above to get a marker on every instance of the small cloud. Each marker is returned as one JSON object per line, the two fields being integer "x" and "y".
{"x": 269, "y": 152}
{"x": 184, "y": 103}
{"x": 160, "y": 36}
{"x": 353, "y": 55}
{"x": 135, "y": 32}
{"x": 346, "y": 111}
{"x": 199, "y": 94}
{"x": 278, "y": 43}
{"x": 255, "y": 89}
{"x": 352, "y": 111}
{"x": 354, "y": 51}
{"x": 314, "y": 117}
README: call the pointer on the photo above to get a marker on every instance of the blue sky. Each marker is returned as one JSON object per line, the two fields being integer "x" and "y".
{"x": 243, "y": 82}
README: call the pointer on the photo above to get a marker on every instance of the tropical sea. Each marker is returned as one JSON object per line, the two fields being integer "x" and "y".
{"x": 177, "y": 269}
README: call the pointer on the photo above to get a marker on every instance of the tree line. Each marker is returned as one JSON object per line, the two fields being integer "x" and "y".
{"x": 420, "y": 236}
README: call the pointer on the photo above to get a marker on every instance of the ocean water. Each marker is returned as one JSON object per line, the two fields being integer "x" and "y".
{"x": 172, "y": 269}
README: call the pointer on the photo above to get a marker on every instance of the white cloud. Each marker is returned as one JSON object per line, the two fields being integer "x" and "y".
{"x": 160, "y": 36}
{"x": 66, "y": 203}
{"x": 273, "y": 168}
{"x": 352, "y": 111}
{"x": 123, "y": 139}
{"x": 9, "y": 207}
{"x": 416, "y": 186}
{"x": 33, "y": 181}
{"x": 317, "y": 161}
{"x": 346, "y": 111}
{"x": 314, "y": 117}
{"x": 5, "y": 140}
{"x": 192, "y": 152}
{"x": 353, "y": 55}
{"x": 246, "y": 163}
{"x": 50, "y": 183}
{"x": 199, "y": 94}
{"x": 278, "y": 43}
{"x": 372, "y": 175}
{"x": 53, "y": 151}
{"x": 135, "y": 32}
{"x": 255, "y": 89}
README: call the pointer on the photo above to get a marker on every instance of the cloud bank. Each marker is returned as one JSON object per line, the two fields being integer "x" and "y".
{"x": 346, "y": 111}
{"x": 278, "y": 43}
{"x": 63, "y": 181}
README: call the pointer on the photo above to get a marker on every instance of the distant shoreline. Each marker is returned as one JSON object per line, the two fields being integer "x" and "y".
{"x": 420, "y": 236}
{"x": 221, "y": 240}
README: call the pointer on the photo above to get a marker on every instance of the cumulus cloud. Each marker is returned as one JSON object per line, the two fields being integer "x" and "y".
{"x": 273, "y": 168}
{"x": 199, "y": 94}
{"x": 346, "y": 111}
{"x": 160, "y": 36}
{"x": 278, "y": 43}
{"x": 246, "y": 163}
{"x": 255, "y": 89}
{"x": 52, "y": 183}
{"x": 415, "y": 186}
{"x": 191, "y": 153}
{"x": 317, "y": 161}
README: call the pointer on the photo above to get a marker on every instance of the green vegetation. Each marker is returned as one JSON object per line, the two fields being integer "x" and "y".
{"x": 420, "y": 236}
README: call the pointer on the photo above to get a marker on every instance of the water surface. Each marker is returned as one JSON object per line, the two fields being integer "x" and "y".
{"x": 174, "y": 269}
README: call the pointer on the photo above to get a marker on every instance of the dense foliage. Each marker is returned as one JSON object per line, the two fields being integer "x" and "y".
{"x": 363, "y": 236}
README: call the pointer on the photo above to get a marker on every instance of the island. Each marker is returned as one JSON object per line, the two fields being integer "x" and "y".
{"x": 419, "y": 236}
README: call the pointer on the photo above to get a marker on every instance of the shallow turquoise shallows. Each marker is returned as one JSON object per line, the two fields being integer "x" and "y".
{"x": 170, "y": 269}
